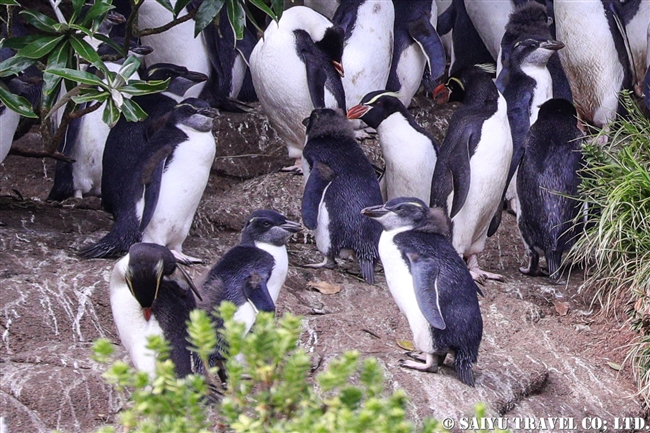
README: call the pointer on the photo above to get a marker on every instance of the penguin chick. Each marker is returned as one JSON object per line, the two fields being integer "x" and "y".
{"x": 152, "y": 295}
{"x": 409, "y": 150}
{"x": 251, "y": 274}
{"x": 340, "y": 181}
{"x": 547, "y": 184}
{"x": 430, "y": 284}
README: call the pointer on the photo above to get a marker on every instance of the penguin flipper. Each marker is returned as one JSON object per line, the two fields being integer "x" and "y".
{"x": 646, "y": 90}
{"x": 446, "y": 20}
{"x": 63, "y": 186}
{"x": 151, "y": 179}
{"x": 257, "y": 292}
{"x": 320, "y": 177}
{"x": 316, "y": 79}
{"x": 427, "y": 38}
{"x": 495, "y": 222}
{"x": 461, "y": 174}
{"x": 426, "y": 288}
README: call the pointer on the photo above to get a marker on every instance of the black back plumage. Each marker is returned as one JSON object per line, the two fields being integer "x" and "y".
{"x": 345, "y": 16}
{"x": 336, "y": 159}
{"x": 480, "y": 102}
{"x": 548, "y": 180}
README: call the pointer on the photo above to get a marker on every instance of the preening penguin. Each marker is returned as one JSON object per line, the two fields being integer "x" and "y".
{"x": 410, "y": 152}
{"x": 296, "y": 67}
{"x": 340, "y": 181}
{"x": 416, "y": 45}
{"x": 166, "y": 184}
{"x": 472, "y": 167}
{"x": 547, "y": 186}
{"x": 430, "y": 284}
{"x": 152, "y": 295}
{"x": 251, "y": 274}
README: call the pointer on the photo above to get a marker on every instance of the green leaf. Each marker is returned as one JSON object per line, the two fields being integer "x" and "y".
{"x": 89, "y": 95}
{"x": 180, "y": 4}
{"x": 58, "y": 58}
{"x": 77, "y": 76}
{"x": 112, "y": 43}
{"x": 206, "y": 13}
{"x": 264, "y": 8}
{"x": 14, "y": 65}
{"x": 20, "y": 41}
{"x": 166, "y": 4}
{"x": 16, "y": 103}
{"x": 76, "y": 7}
{"x": 40, "y": 47}
{"x": 129, "y": 67}
{"x": 132, "y": 111}
{"x": 84, "y": 49}
{"x": 82, "y": 29}
{"x": 278, "y": 7}
{"x": 111, "y": 113}
{"x": 237, "y": 17}
{"x": 41, "y": 21}
{"x": 9, "y": 3}
{"x": 139, "y": 87}
{"x": 98, "y": 9}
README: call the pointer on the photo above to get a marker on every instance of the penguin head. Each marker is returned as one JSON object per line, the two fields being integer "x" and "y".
{"x": 270, "y": 227}
{"x": 468, "y": 85}
{"x": 332, "y": 45}
{"x": 399, "y": 213}
{"x": 195, "y": 113}
{"x": 533, "y": 51}
{"x": 180, "y": 78}
{"x": 557, "y": 108}
{"x": 375, "y": 107}
{"x": 327, "y": 121}
{"x": 257, "y": 293}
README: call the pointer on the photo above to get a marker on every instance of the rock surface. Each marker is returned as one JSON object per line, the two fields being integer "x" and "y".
{"x": 545, "y": 350}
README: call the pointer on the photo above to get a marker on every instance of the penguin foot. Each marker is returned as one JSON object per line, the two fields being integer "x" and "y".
{"x": 430, "y": 365}
{"x": 363, "y": 134}
{"x": 186, "y": 260}
{"x": 478, "y": 274}
{"x": 327, "y": 263}
{"x": 296, "y": 168}
{"x": 538, "y": 272}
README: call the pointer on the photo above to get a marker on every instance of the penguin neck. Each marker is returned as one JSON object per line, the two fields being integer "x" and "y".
{"x": 481, "y": 92}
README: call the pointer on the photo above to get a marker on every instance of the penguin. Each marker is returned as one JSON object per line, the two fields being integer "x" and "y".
{"x": 251, "y": 274}
{"x": 124, "y": 148}
{"x": 416, "y": 45}
{"x": 323, "y": 7}
{"x": 296, "y": 67}
{"x": 84, "y": 141}
{"x": 409, "y": 150}
{"x": 547, "y": 186}
{"x": 646, "y": 81}
{"x": 367, "y": 47}
{"x": 528, "y": 86}
{"x": 151, "y": 295}
{"x": 178, "y": 45}
{"x": 163, "y": 191}
{"x": 340, "y": 181}
{"x": 8, "y": 119}
{"x": 472, "y": 167}
{"x": 430, "y": 284}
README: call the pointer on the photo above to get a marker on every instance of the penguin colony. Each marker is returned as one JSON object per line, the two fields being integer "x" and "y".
{"x": 318, "y": 78}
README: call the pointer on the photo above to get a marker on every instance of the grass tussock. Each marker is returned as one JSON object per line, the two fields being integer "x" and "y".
{"x": 616, "y": 237}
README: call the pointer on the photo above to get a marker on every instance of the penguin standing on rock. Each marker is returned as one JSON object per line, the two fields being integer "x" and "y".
{"x": 152, "y": 295}
{"x": 547, "y": 186}
{"x": 410, "y": 152}
{"x": 251, "y": 274}
{"x": 296, "y": 67}
{"x": 167, "y": 183}
{"x": 430, "y": 284}
{"x": 340, "y": 182}
{"x": 472, "y": 168}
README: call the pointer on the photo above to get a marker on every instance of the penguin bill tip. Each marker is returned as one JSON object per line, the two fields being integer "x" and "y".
{"x": 357, "y": 111}
{"x": 441, "y": 94}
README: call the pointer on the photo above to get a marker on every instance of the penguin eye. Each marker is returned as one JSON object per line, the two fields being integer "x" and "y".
{"x": 266, "y": 224}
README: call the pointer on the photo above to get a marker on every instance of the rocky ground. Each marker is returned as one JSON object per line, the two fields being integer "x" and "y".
{"x": 546, "y": 352}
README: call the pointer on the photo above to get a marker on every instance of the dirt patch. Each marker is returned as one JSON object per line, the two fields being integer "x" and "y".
{"x": 545, "y": 352}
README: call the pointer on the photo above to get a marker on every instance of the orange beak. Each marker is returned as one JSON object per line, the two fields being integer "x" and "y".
{"x": 147, "y": 313}
{"x": 357, "y": 111}
{"x": 339, "y": 68}
{"x": 441, "y": 94}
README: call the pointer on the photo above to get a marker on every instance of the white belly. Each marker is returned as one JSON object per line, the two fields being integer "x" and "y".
{"x": 410, "y": 159}
{"x": 400, "y": 284}
{"x": 279, "y": 274}
{"x": 322, "y": 231}
{"x": 182, "y": 186}
{"x": 8, "y": 124}
{"x": 490, "y": 19}
{"x": 88, "y": 152}
{"x": 489, "y": 171}
{"x": 409, "y": 71}
{"x": 246, "y": 314}
{"x": 543, "y": 90}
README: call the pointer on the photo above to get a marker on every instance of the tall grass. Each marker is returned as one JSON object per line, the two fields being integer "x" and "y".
{"x": 616, "y": 237}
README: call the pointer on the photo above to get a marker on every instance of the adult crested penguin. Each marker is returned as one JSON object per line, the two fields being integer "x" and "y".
{"x": 340, "y": 182}
{"x": 84, "y": 141}
{"x": 368, "y": 45}
{"x": 416, "y": 45}
{"x": 126, "y": 147}
{"x": 547, "y": 185}
{"x": 152, "y": 295}
{"x": 177, "y": 45}
{"x": 251, "y": 274}
{"x": 528, "y": 86}
{"x": 409, "y": 150}
{"x": 430, "y": 284}
{"x": 296, "y": 67}
{"x": 162, "y": 192}
{"x": 472, "y": 167}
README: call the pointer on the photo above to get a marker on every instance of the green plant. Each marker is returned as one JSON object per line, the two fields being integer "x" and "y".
{"x": 270, "y": 392}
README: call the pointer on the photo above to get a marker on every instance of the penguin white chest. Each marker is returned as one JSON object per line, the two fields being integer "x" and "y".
{"x": 410, "y": 159}
{"x": 409, "y": 71}
{"x": 182, "y": 185}
{"x": 246, "y": 314}
{"x": 87, "y": 153}
{"x": 322, "y": 231}
{"x": 8, "y": 123}
{"x": 543, "y": 88}
{"x": 400, "y": 284}
{"x": 280, "y": 268}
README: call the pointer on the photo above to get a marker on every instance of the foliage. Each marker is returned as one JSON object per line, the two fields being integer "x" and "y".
{"x": 269, "y": 392}
{"x": 616, "y": 240}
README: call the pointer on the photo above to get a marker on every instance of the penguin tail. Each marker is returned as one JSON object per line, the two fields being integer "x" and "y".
{"x": 463, "y": 364}
{"x": 113, "y": 244}
{"x": 367, "y": 270}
